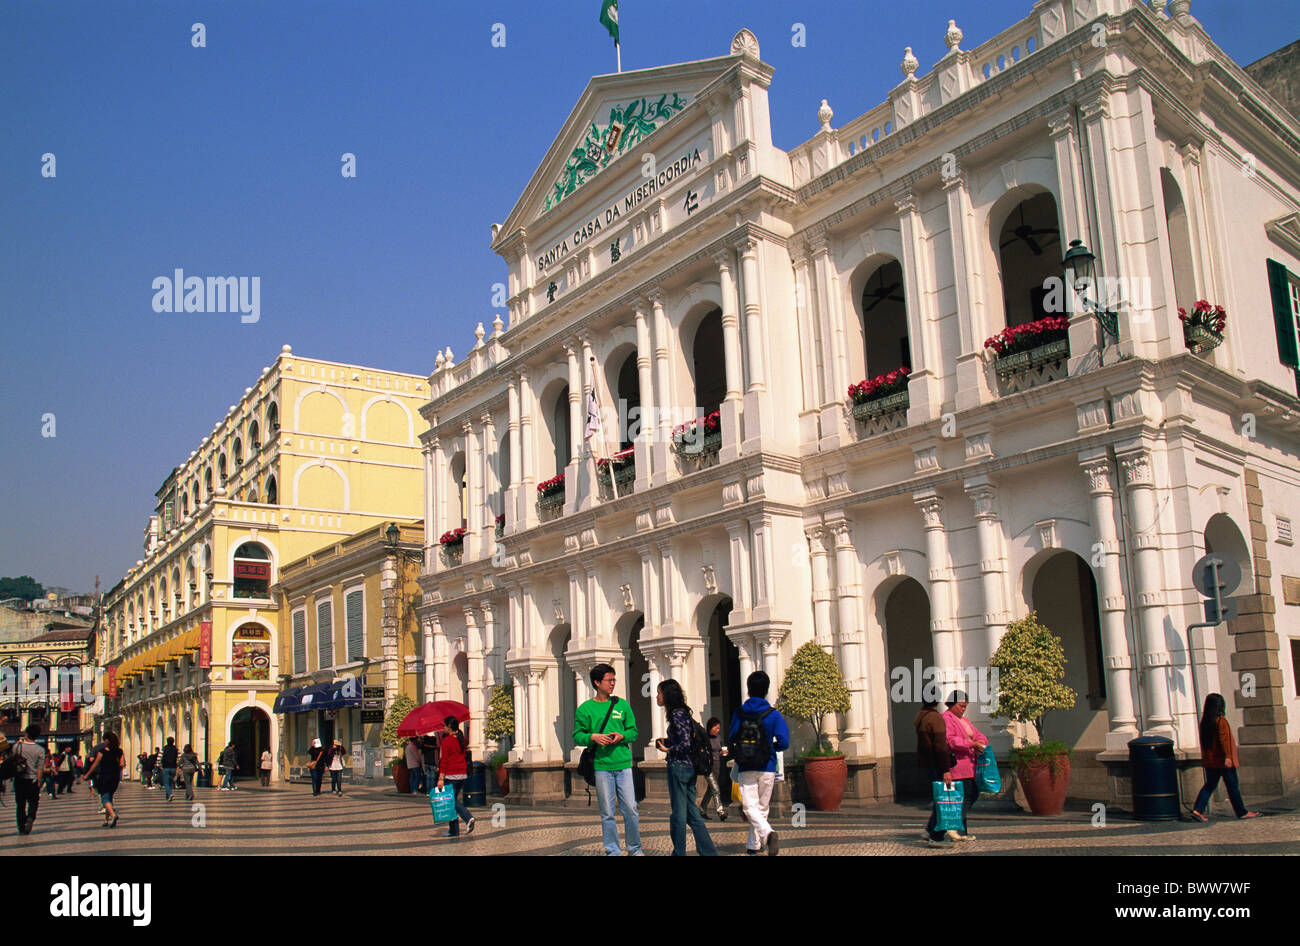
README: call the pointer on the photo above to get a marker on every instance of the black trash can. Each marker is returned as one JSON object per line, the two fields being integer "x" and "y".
{"x": 1155, "y": 779}
{"x": 476, "y": 786}
{"x": 204, "y": 779}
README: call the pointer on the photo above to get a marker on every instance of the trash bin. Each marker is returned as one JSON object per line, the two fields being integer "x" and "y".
{"x": 204, "y": 779}
{"x": 1155, "y": 779}
{"x": 476, "y": 786}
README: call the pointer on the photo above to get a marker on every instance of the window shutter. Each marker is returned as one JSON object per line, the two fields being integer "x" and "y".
{"x": 356, "y": 643}
{"x": 324, "y": 634}
{"x": 1283, "y": 320}
{"x": 299, "y": 642}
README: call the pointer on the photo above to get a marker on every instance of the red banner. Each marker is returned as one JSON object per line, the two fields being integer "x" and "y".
{"x": 258, "y": 570}
{"x": 110, "y": 685}
{"x": 67, "y": 699}
{"x": 205, "y": 645}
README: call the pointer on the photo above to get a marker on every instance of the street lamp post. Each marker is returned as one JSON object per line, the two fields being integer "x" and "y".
{"x": 1080, "y": 270}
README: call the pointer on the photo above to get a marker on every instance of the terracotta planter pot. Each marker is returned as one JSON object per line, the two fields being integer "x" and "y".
{"x": 503, "y": 780}
{"x": 402, "y": 778}
{"x": 1045, "y": 782}
{"x": 826, "y": 777}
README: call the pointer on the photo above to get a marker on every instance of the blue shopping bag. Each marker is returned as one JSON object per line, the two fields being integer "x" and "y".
{"x": 443, "y": 801}
{"x": 987, "y": 776}
{"x": 947, "y": 806}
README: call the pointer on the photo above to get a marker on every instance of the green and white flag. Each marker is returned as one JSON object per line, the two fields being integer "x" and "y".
{"x": 609, "y": 17}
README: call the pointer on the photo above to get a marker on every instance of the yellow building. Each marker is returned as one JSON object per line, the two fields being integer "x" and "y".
{"x": 313, "y": 452}
{"x": 48, "y": 680}
{"x": 352, "y": 634}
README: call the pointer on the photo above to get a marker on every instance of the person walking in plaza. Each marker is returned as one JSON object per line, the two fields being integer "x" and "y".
{"x": 29, "y": 759}
{"x": 105, "y": 773}
{"x": 167, "y": 764}
{"x": 711, "y": 787}
{"x": 453, "y": 767}
{"x": 608, "y": 725}
{"x": 228, "y": 763}
{"x": 966, "y": 743}
{"x": 677, "y": 746}
{"x": 50, "y": 774}
{"x": 758, "y": 732}
{"x": 933, "y": 757}
{"x": 415, "y": 767}
{"x": 429, "y": 756}
{"x": 189, "y": 766}
{"x": 147, "y": 761}
{"x": 1219, "y": 759}
{"x": 264, "y": 768}
{"x": 67, "y": 770}
{"x": 337, "y": 754}
{"x": 319, "y": 758}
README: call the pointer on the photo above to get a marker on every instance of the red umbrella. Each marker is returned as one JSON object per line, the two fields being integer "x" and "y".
{"x": 429, "y": 717}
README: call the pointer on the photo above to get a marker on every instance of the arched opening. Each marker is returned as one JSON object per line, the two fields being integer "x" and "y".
{"x": 273, "y": 419}
{"x": 708, "y": 360}
{"x": 254, "y": 438}
{"x": 460, "y": 674}
{"x": 1222, "y": 537}
{"x": 638, "y": 670}
{"x": 1064, "y": 593}
{"x": 884, "y": 321}
{"x": 503, "y": 475}
{"x": 207, "y": 483}
{"x": 221, "y": 469}
{"x": 237, "y": 453}
{"x": 726, "y": 688}
{"x": 628, "y": 402}
{"x": 1179, "y": 233}
{"x": 250, "y": 731}
{"x": 565, "y": 690}
{"x": 1029, "y": 252}
{"x": 558, "y": 425}
{"x": 252, "y": 571}
{"x": 458, "y": 513}
{"x": 272, "y": 492}
{"x": 909, "y": 662}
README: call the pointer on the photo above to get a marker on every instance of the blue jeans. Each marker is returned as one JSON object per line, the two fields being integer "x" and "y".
{"x": 227, "y": 777}
{"x": 681, "y": 792}
{"x": 169, "y": 782}
{"x": 617, "y": 788}
{"x": 430, "y": 778}
{"x": 416, "y": 777}
{"x": 1229, "y": 777}
{"x": 458, "y": 786}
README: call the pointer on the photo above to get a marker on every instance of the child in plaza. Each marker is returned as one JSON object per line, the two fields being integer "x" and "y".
{"x": 337, "y": 755}
{"x": 711, "y": 789}
{"x": 607, "y": 725}
{"x": 758, "y": 733}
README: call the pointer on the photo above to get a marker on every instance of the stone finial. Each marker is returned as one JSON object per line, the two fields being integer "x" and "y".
{"x": 496, "y": 229}
{"x": 1179, "y": 8}
{"x": 910, "y": 63}
{"x": 953, "y": 37}
{"x": 286, "y": 349}
{"x": 248, "y": 390}
{"x": 498, "y": 327}
{"x": 825, "y": 114}
{"x": 451, "y": 359}
{"x": 745, "y": 43}
{"x": 438, "y": 362}
{"x": 478, "y": 336}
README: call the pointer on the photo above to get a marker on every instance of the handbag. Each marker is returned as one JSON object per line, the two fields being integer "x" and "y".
{"x": 587, "y": 761}
{"x": 443, "y": 801}
{"x": 947, "y": 806}
{"x": 987, "y": 776}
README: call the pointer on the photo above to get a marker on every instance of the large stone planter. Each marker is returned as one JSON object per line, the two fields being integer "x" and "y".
{"x": 1046, "y": 781}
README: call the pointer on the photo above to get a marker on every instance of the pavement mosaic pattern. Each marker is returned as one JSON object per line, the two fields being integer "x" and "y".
{"x": 288, "y": 820}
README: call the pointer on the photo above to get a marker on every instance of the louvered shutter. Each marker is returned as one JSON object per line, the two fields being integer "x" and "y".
{"x": 325, "y": 634}
{"x": 1284, "y": 321}
{"x": 356, "y": 642}
{"x": 299, "y": 642}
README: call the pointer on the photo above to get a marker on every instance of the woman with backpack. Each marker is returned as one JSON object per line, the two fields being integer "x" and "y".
{"x": 1219, "y": 759}
{"x": 453, "y": 768}
{"x": 106, "y": 766}
{"x": 687, "y": 748}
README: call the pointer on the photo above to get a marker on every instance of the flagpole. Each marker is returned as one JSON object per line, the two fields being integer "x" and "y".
{"x": 618, "y": 55}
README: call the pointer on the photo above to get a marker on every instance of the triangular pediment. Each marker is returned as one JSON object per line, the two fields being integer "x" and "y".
{"x": 1285, "y": 232}
{"x": 614, "y": 116}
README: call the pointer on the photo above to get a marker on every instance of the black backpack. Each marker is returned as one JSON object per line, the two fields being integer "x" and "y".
{"x": 701, "y": 750}
{"x": 751, "y": 748}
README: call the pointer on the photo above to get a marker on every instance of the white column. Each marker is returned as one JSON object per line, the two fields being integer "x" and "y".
{"x": 729, "y": 413}
{"x": 1144, "y": 538}
{"x": 983, "y": 494}
{"x": 821, "y": 587}
{"x": 972, "y": 318}
{"x": 665, "y": 400}
{"x": 490, "y": 507}
{"x": 527, "y": 499}
{"x": 738, "y": 548}
{"x": 943, "y": 625}
{"x": 1110, "y": 591}
{"x": 645, "y": 436}
{"x": 431, "y": 627}
{"x": 474, "y": 668}
{"x": 473, "y": 507}
{"x": 534, "y": 711}
{"x": 513, "y": 517}
{"x": 430, "y": 485}
{"x": 853, "y": 653}
{"x": 833, "y": 356}
{"x": 925, "y": 395}
{"x": 441, "y": 685}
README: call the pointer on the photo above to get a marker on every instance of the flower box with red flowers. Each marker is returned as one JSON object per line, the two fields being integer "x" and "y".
{"x": 882, "y": 394}
{"x": 453, "y": 537}
{"x": 622, "y": 463}
{"x": 501, "y": 525}
{"x": 1025, "y": 346}
{"x": 551, "y": 492}
{"x": 687, "y": 439}
{"x": 1203, "y": 326}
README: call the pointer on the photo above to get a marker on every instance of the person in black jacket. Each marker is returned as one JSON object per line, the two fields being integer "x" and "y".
{"x": 429, "y": 745}
{"x": 934, "y": 759}
{"x": 168, "y": 763}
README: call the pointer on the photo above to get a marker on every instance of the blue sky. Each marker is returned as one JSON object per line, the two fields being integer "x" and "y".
{"x": 226, "y": 160}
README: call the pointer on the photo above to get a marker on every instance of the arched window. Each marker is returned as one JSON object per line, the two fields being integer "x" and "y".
{"x": 252, "y": 571}
{"x": 254, "y": 438}
{"x": 185, "y": 506}
{"x": 503, "y": 472}
{"x": 238, "y": 453}
{"x": 221, "y": 469}
{"x": 560, "y": 432}
{"x": 628, "y": 403}
{"x": 707, "y": 360}
{"x": 1029, "y": 250}
{"x": 272, "y": 494}
{"x": 207, "y": 483}
{"x": 884, "y": 321}
{"x": 273, "y": 419}
{"x": 1179, "y": 232}
{"x": 459, "y": 509}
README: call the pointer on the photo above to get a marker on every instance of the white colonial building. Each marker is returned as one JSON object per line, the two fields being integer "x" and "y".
{"x": 667, "y": 252}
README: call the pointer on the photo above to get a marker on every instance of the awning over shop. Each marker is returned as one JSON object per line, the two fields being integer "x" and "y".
{"x": 313, "y": 697}
{"x": 288, "y": 701}
{"x": 192, "y": 642}
{"x": 340, "y": 695}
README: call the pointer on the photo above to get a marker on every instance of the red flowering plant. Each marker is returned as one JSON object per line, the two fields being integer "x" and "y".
{"x": 552, "y": 486}
{"x": 882, "y": 385}
{"x": 1207, "y": 316}
{"x": 501, "y": 519}
{"x": 452, "y": 537}
{"x": 1017, "y": 338}
{"x": 619, "y": 459}
{"x": 686, "y": 436}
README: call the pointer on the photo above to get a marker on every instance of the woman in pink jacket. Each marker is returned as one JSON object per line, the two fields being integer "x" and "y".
{"x": 966, "y": 744}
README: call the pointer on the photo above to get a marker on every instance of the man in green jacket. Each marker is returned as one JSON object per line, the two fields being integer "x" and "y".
{"x": 612, "y": 743}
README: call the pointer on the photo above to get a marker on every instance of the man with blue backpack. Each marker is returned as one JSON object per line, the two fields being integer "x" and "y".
{"x": 758, "y": 732}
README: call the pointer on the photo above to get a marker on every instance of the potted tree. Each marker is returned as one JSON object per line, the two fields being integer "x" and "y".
{"x": 400, "y": 709}
{"x": 812, "y": 688}
{"x": 1031, "y": 665}
{"x": 500, "y": 726}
